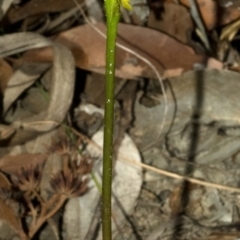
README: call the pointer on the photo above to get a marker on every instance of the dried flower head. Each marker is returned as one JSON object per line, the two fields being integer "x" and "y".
{"x": 61, "y": 146}
{"x": 68, "y": 184}
{"x": 27, "y": 179}
{"x": 82, "y": 165}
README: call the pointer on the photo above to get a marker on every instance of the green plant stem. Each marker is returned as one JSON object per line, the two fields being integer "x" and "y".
{"x": 113, "y": 15}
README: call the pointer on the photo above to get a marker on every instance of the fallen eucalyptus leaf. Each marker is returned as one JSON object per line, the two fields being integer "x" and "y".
{"x": 23, "y": 78}
{"x": 158, "y": 48}
{"x": 10, "y": 224}
{"x": 11, "y": 164}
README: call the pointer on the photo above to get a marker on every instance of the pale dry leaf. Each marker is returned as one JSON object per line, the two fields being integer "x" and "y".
{"x": 6, "y": 5}
{"x": 52, "y": 166}
{"x": 72, "y": 220}
{"x": 22, "y": 79}
{"x": 6, "y": 131}
{"x": 218, "y": 106}
{"x": 139, "y": 14}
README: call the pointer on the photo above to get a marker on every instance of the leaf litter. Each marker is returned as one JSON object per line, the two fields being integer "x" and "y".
{"x": 43, "y": 100}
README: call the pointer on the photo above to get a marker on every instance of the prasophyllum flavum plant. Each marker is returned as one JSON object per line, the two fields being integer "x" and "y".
{"x": 112, "y": 8}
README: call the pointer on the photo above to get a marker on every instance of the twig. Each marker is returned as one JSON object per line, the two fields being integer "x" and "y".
{"x": 44, "y": 217}
{"x": 33, "y": 211}
{"x": 180, "y": 177}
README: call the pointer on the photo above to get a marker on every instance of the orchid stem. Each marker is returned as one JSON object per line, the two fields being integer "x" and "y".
{"x": 113, "y": 15}
{"x": 112, "y": 8}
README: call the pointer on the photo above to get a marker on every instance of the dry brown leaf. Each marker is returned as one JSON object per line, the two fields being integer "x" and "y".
{"x": 214, "y": 13}
{"x": 10, "y": 164}
{"x": 208, "y": 10}
{"x": 229, "y": 15}
{"x": 4, "y": 183}
{"x": 38, "y": 7}
{"x": 223, "y": 236}
{"x": 88, "y": 48}
{"x": 5, "y": 74}
{"x": 174, "y": 20}
{"x": 8, "y": 215}
{"x": 176, "y": 199}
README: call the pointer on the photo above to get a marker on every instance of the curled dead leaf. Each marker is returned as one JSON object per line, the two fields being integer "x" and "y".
{"x": 62, "y": 85}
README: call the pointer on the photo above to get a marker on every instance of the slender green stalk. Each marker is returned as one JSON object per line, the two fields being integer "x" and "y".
{"x": 113, "y": 15}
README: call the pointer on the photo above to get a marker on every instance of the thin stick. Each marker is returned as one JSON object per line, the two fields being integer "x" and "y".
{"x": 161, "y": 171}
{"x": 180, "y": 177}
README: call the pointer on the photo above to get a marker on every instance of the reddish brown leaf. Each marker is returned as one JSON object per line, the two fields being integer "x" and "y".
{"x": 88, "y": 48}
{"x": 5, "y": 74}
{"x": 4, "y": 183}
